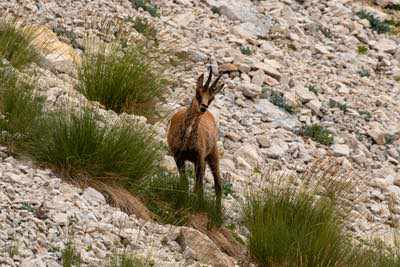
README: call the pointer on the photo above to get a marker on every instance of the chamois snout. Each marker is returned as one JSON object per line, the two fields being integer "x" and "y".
{"x": 203, "y": 108}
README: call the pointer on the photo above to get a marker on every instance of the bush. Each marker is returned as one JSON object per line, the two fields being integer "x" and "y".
{"x": 121, "y": 80}
{"x": 169, "y": 198}
{"x": 319, "y": 134}
{"x": 19, "y": 107}
{"x": 77, "y": 146}
{"x": 16, "y": 44}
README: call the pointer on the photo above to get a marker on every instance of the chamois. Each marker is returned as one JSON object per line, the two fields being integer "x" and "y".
{"x": 193, "y": 134}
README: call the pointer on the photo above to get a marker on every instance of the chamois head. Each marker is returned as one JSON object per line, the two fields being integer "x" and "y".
{"x": 205, "y": 93}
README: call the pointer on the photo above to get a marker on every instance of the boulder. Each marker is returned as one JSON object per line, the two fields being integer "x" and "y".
{"x": 201, "y": 248}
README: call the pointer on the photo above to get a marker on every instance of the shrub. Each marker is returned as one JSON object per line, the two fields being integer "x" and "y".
{"x": 376, "y": 24}
{"x": 19, "y": 107}
{"x": 16, "y": 44}
{"x": 77, "y": 146}
{"x": 319, "y": 134}
{"x": 169, "y": 198}
{"x": 121, "y": 80}
{"x": 362, "y": 50}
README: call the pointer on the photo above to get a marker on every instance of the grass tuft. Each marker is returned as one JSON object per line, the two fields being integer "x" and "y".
{"x": 76, "y": 145}
{"x": 70, "y": 257}
{"x": 123, "y": 80}
{"x": 19, "y": 108}
{"x": 126, "y": 260}
{"x": 319, "y": 134}
{"x": 362, "y": 50}
{"x": 17, "y": 44}
{"x": 246, "y": 50}
{"x": 169, "y": 198}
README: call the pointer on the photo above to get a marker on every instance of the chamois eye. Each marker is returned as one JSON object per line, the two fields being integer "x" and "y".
{"x": 198, "y": 97}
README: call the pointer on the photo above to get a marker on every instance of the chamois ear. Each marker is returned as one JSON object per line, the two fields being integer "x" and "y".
{"x": 199, "y": 84}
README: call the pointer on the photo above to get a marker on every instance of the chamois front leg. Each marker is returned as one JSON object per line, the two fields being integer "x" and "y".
{"x": 200, "y": 168}
{"x": 180, "y": 164}
{"x": 213, "y": 162}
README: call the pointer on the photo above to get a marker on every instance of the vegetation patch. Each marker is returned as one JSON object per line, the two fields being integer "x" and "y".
{"x": 363, "y": 72}
{"x": 319, "y": 134}
{"x": 313, "y": 88}
{"x": 304, "y": 226}
{"x": 246, "y": 50}
{"x": 143, "y": 26}
{"x": 19, "y": 108}
{"x": 127, "y": 260}
{"x": 277, "y": 99}
{"x": 146, "y": 5}
{"x": 362, "y": 50}
{"x": 376, "y": 24}
{"x": 17, "y": 44}
{"x": 76, "y": 145}
{"x": 168, "y": 197}
{"x": 124, "y": 80}
{"x": 70, "y": 257}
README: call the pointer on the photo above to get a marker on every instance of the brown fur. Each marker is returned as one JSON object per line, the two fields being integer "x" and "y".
{"x": 193, "y": 135}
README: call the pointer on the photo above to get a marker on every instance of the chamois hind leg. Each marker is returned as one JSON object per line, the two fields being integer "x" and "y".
{"x": 213, "y": 162}
{"x": 200, "y": 168}
{"x": 180, "y": 163}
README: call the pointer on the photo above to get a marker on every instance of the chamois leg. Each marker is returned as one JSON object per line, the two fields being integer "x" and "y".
{"x": 180, "y": 163}
{"x": 213, "y": 162}
{"x": 200, "y": 168}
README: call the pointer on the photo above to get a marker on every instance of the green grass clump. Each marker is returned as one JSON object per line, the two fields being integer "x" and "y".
{"x": 363, "y": 72}
{"x": 216, "y": 10}
{"x": 143, "y": 26}
{"x": 126, "y": 260}
{"x": 76, "y": 145}
{"x": 376, "y": 24}
{"x": 304, "y": 226}
{"x": 293, "y": 229}
{"x": 19, "y": 107}
{"x": 146, "y": 5}
{"x": 319, "y": 134}
{"x": 123, "y": 80}
{"x": 168, "y": 197}
{"x": 17, "y": 44}
{"x": 362, "y": 50}
{"x": 313, "y": 88}
{"x": 277, "y": 99}
{"x": 70, "y": 257}
{"x": 246, "y": 50}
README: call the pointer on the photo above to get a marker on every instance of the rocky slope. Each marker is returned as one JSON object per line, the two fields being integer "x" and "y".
{"x": 305, "y": 51}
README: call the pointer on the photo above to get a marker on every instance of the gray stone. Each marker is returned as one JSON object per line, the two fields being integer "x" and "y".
{"x": 341, "y": 150}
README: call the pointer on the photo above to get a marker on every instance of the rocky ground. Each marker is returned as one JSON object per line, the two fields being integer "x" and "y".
{"x": 306, "y": 51}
